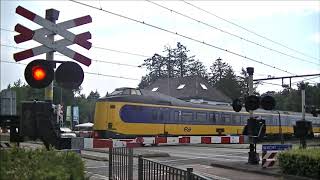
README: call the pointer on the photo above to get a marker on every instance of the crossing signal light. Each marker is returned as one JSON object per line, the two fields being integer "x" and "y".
{"x": 39, "y": 73}
{"x": 252, "y": 102}
{"x": 69, "y": 75}
{"x": 237, "y": 105}
{"x": 268, "y": 103}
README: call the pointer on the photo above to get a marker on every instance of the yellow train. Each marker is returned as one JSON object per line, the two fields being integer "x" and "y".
{"x": 129, "y": 112}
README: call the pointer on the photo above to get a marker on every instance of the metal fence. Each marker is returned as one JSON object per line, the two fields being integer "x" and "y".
{"x": 121, "y": 167}
{"x": 121, "y": 163}
{"x": 150, "y": 170}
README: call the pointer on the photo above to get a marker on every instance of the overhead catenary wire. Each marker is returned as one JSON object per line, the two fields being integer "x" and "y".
{"x": 96, "y": 60}
{"x": 250, "y": 31}
{"x": 305, "y": 80}
{"x": 92, "y": 73}
{"x": 184, "y": 36}
{"x": 231, "y": 34}
{"x": 97, "y": 47}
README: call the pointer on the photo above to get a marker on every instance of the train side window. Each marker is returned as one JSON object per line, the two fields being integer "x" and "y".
{"x": 236, "y": 119}
{"x": 222, "y": 119}
{"x": 138, "y": 92}
{"x": 212, "y": 118}
{"x": 244, "y": 120}
{"x": 284, "y": 120}
{"x": 161, "y": 116}
{"x": 275, "y": 120}
{"x": 126, "y": 92}
{"x": 187, "y": 116}
{"x": 176, "y": 116}
{"x": 226, "y": 118}
{"x": 219, "y": 119}
{"x": 164, "y": 115}
{"x": 154, "y": 114}
{"x": 201, "y": 116}
{"x": 133, "y": 91}
{"x": 266, "y": 119}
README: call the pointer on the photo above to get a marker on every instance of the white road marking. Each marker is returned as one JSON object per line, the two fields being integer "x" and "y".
{"x": 214, "y": 176}
{"x": 96, "y": 175}
{"x": 93, "y": 167}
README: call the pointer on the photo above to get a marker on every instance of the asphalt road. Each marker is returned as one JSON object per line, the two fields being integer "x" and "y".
{"x": 198, "y": 158}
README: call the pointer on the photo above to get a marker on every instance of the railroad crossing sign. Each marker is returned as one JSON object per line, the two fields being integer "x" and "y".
{"x": 276, "y": 147}
{"x": 49, "y": 28}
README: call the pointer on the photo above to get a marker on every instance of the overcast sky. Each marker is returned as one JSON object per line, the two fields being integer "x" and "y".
{"x": 295, "y": 24}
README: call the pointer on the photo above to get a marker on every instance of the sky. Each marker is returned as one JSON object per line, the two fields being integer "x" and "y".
{"x": 120, "y": 45}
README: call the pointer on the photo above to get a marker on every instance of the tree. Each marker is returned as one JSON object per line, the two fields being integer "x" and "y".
{"x": 182, "y": 60}
{"x": 218, "y": 71}
{"x": 196, "y": 68}
{"x": 156, "y": 65}
{"x": 175, "y": 63}
{"x": 170, "y": 62}
{"x": 93, "y": 95}
{"x": 224, "y": 79}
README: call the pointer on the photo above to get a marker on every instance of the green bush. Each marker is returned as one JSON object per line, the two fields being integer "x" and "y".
{"x": 21, "y": 164}
{"x": 301, "y": 162}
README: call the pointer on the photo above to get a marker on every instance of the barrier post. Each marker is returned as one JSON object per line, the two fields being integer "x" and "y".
{"x": 189, "y": 173}
{"x": 110, "y": 163}
{"x": 140, "y": 167}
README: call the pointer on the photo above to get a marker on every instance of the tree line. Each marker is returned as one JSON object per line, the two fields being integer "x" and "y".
{"x": 61, "y": 96}
{"x": 175, "y": 63}
{"x": 178, "y": 63}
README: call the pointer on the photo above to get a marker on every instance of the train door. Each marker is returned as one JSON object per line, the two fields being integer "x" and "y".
{"x": 111, "y": 121}
{"x": 164, "y": 118}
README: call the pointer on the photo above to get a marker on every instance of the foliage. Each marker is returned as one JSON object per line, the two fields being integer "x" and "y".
{"x": 223, "y": 78}
{"x": 176, "y": 63}
{"x": 17, "y": 163}
{"x": 61, "y": 96}
{"x": 86, "y": 106}
{"x": 301, "y": 162}
{"x": 290, "y": 99}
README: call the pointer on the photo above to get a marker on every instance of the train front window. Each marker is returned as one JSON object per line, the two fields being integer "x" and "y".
{"x": 116, "y": 92}
{"x": 128, "y": 91}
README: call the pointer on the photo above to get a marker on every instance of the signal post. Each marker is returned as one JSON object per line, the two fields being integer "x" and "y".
{"x": 51, "y": 15}
{"x": 251, "y": 122}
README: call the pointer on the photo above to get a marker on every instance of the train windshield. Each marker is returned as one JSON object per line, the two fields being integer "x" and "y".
{"x": 116, "y": 92}
{"x": 126, "y": 91}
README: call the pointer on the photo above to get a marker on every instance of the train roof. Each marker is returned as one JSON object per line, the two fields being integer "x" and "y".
{"x": 151, "y": 97}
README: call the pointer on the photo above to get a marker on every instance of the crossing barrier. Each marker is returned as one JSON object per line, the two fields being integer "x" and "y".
{"x": 148, "y": 141}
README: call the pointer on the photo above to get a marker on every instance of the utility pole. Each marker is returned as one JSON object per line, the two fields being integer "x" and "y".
{"x": 51, "y": 15}
{"x": 303, "y": 142}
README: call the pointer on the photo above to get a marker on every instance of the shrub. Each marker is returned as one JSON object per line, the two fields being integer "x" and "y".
{"x": 301, "y": 162}
{"x": 20, "y": 164}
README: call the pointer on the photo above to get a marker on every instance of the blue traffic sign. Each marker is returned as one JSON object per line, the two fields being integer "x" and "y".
{"x": 276, "y": 147}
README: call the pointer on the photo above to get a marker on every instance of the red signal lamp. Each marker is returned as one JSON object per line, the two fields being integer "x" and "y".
{"x": 39, "y": 73}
